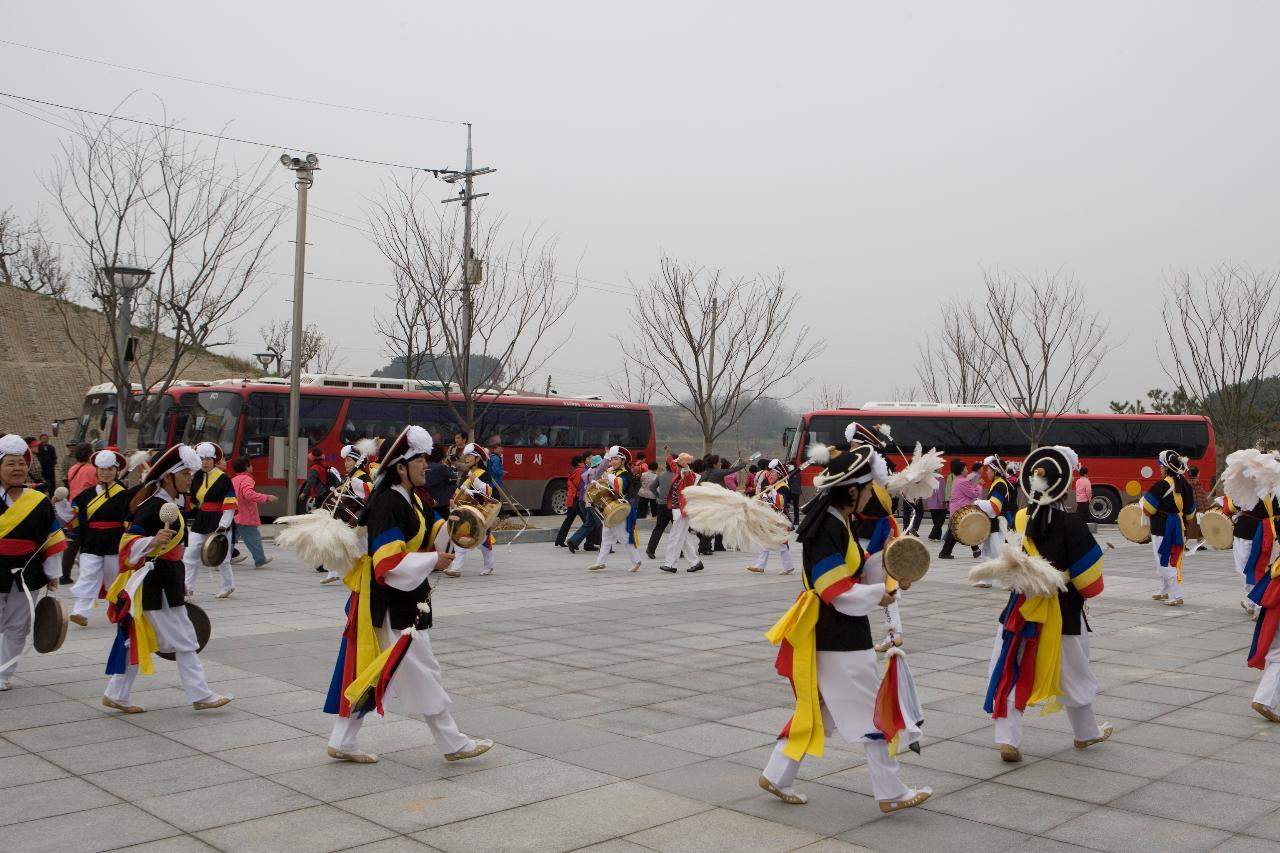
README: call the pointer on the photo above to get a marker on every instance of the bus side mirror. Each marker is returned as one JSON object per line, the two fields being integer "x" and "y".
{"x": 788, "y": 434}
{"x": 54, "y": 427}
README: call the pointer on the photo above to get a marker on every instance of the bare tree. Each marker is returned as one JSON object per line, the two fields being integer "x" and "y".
{"x": 830, "y": 396}
{"x": 952, "y": 360}
{"x": 319, "y": 354}
{"x": 28, "y": 260}
{"x": 1034, "y": 348}
{"x": 507, "y": 323}
{"x": 151, "y": 197}
{"x": 636, "y": 384}
{"x": 729, "y": 342}
{"x": 1222, "y": 340}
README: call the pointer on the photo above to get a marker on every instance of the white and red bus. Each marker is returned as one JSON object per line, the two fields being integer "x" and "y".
{"x": 251, "y": 418}
{"x": 1119, "y": 450}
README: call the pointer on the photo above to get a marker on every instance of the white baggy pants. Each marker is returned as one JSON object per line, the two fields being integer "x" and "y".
{"x": 174, "y": 633}
{"x": 96, "y": 572}
{"x": 460, "y": 557}
{"x": 191, "y": 560}
{"x": 1079, "y": 689}
{"x": 681, "y": 542}
{"x": 619, "y": 537}
{"x": 1268, "y": 692}
{"x": 762, "y": 562}
{"x": 1168, "y": 575}
{"x": 15, "y": 624}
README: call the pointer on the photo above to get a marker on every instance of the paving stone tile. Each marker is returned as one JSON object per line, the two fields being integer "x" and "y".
{"x": 1173, "y": 739}
{"x": 526, "y": 828}
{"x": 47, "y": 799}
{"x": 238, "y": 733}
{"x": 1246, "y": 780}
{"x": 569, "y": 706}
{"x": 722, "y": 831}
{"x": 1117, "y": 831}
{"x": 414, "y": 807}
{"x": 1127, "y": 758}
{"x": 858, "y": 779}
{"x": 236, "y": 802}
{"x": 962, "y": 758}
{"x": 1073, "y": 780}
{"x": 1246, "y": 844}
{"x": 828, "y": 809}
{"x": 623, "y": 807}
{"x": 177, "y": 844}
{"x": 539, "y": 779}
{"x": 921, "y": 829}
{"x": 278, "y": 757}
{"x": 121, "y": 752}
{"x": 556, "y": 737}
{"x": 320, "y": 829}
{"x": 1007, "y": 806}
{"x": 25, "y": 769}
{"x": 343, "y": 779}
{"x": 82, "y": 831}
{"x": 1265, "y": 827}
{"x": 166, "y": 777}
{"x": 95, "y": 729}
{"x": 715, "y": 781}
{"x": 712, "y": 739}
{"x": 628, "y": 759}
{"x": 1211, "y": 808}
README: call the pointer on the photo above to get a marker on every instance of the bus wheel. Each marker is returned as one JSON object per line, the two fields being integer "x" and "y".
{"x": 1105, "y": 505}
{"x": 555, "y": 501}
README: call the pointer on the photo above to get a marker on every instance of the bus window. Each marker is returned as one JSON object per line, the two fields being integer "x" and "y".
{"x": 215, "y": 416}
{"x": 552, "y": 427}
{"x": 368, "y": 418}
{"x": 598, "y": 428}
{"x": 267, "y": 415}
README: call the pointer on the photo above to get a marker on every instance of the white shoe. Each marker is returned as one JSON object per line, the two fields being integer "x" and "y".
{"x": 596, "y": 567}
{"x": 330, "y": 578}
{"x": 786, "y": 571}
{"x": 226, "y": 593}
{"x": 486, "y": 572}
{"x": 983, "y": 584}
{"x": 237, "y": 560}
{"x": 635, "y": 568}
{"x": 6, "y": 685}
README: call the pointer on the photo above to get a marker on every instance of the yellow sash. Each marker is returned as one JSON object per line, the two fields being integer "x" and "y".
{"x": 1044, "y": 610}
{"x": 145, "y": 634}
{"x": 18, "y": 512}
{"x": 98, "y": 500}
{"x": 797, "y": 626}
{"x": 211, "y": 476}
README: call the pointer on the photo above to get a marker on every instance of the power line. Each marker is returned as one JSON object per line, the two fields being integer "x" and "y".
{"x": 227, "y": 86}
{"x": 220, "y": 136}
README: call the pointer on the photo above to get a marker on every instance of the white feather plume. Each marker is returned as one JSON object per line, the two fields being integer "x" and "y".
{"x": 320, "y": 539}
{"x": 920, "y": 477}
{"x": 1013, "y": 568}
{"x": 1250, "y": 476}
{"x": 137, "y": 458}
{"x": 819, "y": 454}
{"x": 368, "y": 447}
{"x": 744, "y": 522}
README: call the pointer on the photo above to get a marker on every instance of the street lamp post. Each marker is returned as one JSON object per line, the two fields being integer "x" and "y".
{"x": 304, "y": 171}
{"x": 125, "y": 281}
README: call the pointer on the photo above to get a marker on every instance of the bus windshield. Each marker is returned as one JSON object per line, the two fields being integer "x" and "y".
{"x": 97, "y": 420}
{"x": 215, "y": 416}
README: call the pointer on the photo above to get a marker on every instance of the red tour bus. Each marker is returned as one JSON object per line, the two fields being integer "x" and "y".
{"x": 251, "y": 418}
{"x": 1119, "y": 450}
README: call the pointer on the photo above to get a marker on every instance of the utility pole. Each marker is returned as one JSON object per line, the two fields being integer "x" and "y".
{"x": 709, "y": 402}
{"x": 548, "y": 394}
{"x": 304, "y": 171}
{"x": 471, "y": 266}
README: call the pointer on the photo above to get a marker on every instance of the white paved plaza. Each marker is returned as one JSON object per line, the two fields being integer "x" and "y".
{"x": 633, "y": 712}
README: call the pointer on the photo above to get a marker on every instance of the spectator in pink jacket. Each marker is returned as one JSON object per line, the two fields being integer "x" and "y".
{"x": 247, "y": 520}
{"x": 965, "y": 489}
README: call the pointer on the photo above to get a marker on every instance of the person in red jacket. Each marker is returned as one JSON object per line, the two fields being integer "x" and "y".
{"x": 682, "y": 542}
{"x": 574, "y": 484}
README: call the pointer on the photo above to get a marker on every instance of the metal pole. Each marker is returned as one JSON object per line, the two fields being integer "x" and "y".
{"x": 123, "y": 391}
{"x": 466, "y": 282}
{"x": 303, "y": 183}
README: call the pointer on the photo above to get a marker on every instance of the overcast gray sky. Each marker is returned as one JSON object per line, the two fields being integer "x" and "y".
{"x": 888, "y": 151}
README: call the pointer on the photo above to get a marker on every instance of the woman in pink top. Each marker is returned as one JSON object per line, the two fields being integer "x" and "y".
{"x": 247, "y": 520}
{"x": 1084, "y": 494}
{"x": 965, "y": 489}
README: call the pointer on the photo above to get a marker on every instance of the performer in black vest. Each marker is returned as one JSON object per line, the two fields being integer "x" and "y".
{"x": 100, "y": 516}
{"x": 212, "y": 509}
{"x": 826, "y": 647}
{"x": 31, "y": 542}
{"x": 147, "y": 600}
{"x": 403, "y": 554}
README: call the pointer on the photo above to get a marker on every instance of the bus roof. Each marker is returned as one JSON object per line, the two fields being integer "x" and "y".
{"x": 986, "y": 413}
{"x": 251, "y": 386}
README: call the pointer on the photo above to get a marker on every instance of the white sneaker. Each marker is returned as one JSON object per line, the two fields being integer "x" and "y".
{"x": 226, "y": 593}
{"x": 486, "y": 572}
{"x": 239, "y": 558}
